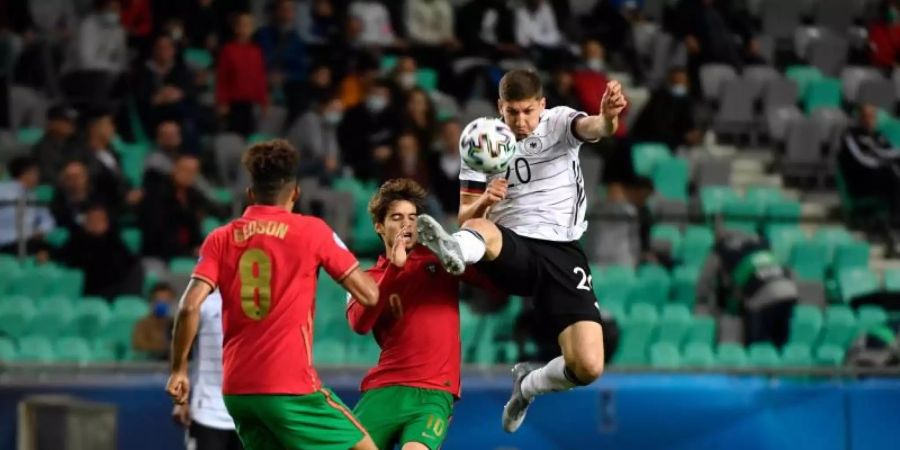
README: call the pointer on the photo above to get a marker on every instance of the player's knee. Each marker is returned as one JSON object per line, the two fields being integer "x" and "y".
{"x": 587, "y": 368}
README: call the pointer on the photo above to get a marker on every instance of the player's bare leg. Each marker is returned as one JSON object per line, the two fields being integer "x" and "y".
{"x": 365, "y": 444}
{"x": 477, "y": 239}
{"x": 580, "y": 364}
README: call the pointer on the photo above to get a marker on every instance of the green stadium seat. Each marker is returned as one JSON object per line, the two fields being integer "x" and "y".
{"x": 224, "y": 195}
{"x": 427, "y": 79}
{"x": 702, "y": 331}
{"x": 870, "y": 317}
{"x": 731, "y": 355}
{"x": 133, "y": 238}
{"x": 329, "y": 352}
{"x": 69, "y": 283}
{"x": 890, "y": 129}
{"x": 611, "y": 291}
{"x": 132, "y": 160}
{"x": 35, "y": 281}
{"x": 674, "y": 324}
{"x": 809, "y": 259}
{"x": 73, "y": 349}
{"x": 104, "y": 351}
{"x": 36, "y": 349}
{"x": 256, "y": 138}
{"x": 697, "y": 354}
{"x": 803, "y": 76}
{"x": 856, "y": 282}
{"x": 130, "y": 306}
{"x": 181, "y": 265}
{"x": 892, "y": 280}
{"x": 638, "y": 329}
{"x": 198, "y": 58}
{"x": 670, "y": 178}
{"x": 16, "y": 315}
{"x": 839, "y": 326}
{"x": 851, "y": 255}
{"x": 783, "y": 212}
{"x": 829, "y": 355}
{"x": 646, "y": 155}
{"x": 44, "y": 193}
{"x": 764, "y": 195}
{"x": 806, "y": 324}
{"x": 669, "y": 234}
{"x": 54, "y": 317}
{"x": 695, "y": 245}
{"x": 617, "y": 310}
{"x": 763, "y": 354}
{"x": 742, "y": 214}
{"x": 653, "y": 285}
{"x": 58, "y": 237}
{"x": 209, "y": 224}
{"x": 8, "y": 352}
{"x": 822, "y": 93}
{"x": 796, "y": 355}
{"x": 29, "y": 136}
{"x": 684, "y": 285}
{"x": 91, "y": 316}
{"x": 714, "y": 198}
{"x": 781, "y": 239}
{"x": 665, "y": 355}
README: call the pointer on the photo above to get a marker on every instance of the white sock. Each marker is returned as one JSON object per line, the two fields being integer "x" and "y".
{"x": 471, "y": 244}
{"x": 550, "y": 378}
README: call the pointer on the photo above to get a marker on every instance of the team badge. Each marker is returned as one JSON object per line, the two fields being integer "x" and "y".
{"x": 531, "y": 146}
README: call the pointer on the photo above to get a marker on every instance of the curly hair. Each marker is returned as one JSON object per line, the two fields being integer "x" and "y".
{"x": 273, "y": 167}
{"x": 392, "y": 191}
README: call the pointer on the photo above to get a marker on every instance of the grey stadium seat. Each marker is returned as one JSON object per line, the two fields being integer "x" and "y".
{"x": 836, "y": 15}
{"x": 713, "y": 78}
{"x": 712, "y": 171}
{"x": 759, "y": 76}
{"x": 779, "y": 92}
{"x": 833, "y": 122}
{"x": 735, "y": 113}
{"x": 228, "y": 148}
{"x": 852, "y": 77}
{"x": 829, "y": 53}
{"x": 803, "y": 148}
{"x": 780, "y": 18}
{"x": 878, "y": 92}
{"x": 778, "y": 119}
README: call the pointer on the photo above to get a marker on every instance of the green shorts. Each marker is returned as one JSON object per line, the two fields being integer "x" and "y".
{"x": 276, "y": 422}
{"x": 399, "y": 414}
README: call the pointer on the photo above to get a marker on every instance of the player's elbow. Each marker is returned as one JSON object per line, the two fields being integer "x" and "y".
{"x": 368, "y": 295}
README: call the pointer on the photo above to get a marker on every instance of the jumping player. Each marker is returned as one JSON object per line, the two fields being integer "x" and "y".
{"x": 522, "y": 228}
{"x": 408, "y": 397}
{"x": 265, "y": 264}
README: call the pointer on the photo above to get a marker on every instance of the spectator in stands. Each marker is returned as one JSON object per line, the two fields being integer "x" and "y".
{"x": 741, "y": 276}
{"x": 49, "y": 28}
{"x": 446, "y": 166}
{"x": 96, "y": 249}
{"x": 103, "y": 165}
{"x": 137, "y": 19}
{"x": 55, "y": 147}
{"x": 868, "y": 164}
{"x": 315, "y": 136}
{"x": 561, "y": 91}
{"x": 410, "y": 161}
{"x": 668, "y": 116}
{"x": 159, "y": 164}
{"x": 404, "y": 76}
{"x": 590, "y": 77}
{"x": 487, "y": 28}
{"x": 429, "y": 25}
{"x": 152, "y": 334}
{"x": 318, "y": 22}
{"x": 73, "y": 195}
{"x": 373, "y": 20}
{"x": 368, "y": 131}
{"x": 359, "y": 80}
{"x": 171, "y": 213}
{"x": 538, "y": 32}
{"x": 241, "y": 79}
{"x": 20, "y": 218}
{"x": 285, "y": 55}
{"x": 202, "y": 24}
{"x": 611, "y": 24}
{"x": 419, "y": 117}
{"x": 100, "y": 41}
{"x": 164, "y": 86}
{"x": 884, "y": 35}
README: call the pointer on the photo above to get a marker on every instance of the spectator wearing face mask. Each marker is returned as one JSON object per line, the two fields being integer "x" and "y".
{"x": 314, "y": 135}
{"x": 96, "y": 249}
{"x": 368, "y": 131}
{"x": 590, "y": 76}
{"x": 100, "y": 42}
{"x": 668, "y": 116}
{"x": 151, "y": 335}
{"x": 404, "y": 76}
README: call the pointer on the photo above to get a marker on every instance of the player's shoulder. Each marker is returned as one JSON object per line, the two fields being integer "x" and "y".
{"x": 561, "y": 112}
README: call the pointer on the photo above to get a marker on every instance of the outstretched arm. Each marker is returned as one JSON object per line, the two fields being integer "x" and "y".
{"x": 594, "y": 128}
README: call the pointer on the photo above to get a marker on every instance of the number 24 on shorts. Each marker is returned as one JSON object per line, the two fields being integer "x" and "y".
{"x": 587, "y": 280}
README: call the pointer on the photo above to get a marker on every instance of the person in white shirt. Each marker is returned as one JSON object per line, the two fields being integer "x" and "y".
{"x": 538, "y": 32}
{"x": 522, "y": 229}
{"x": 374, "y": 19}
{"x": 22, "y": 221}
{"x": 100, "y": 42}
{"x": 209, "y": 425}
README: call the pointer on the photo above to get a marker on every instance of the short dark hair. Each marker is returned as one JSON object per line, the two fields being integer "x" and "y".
{"x": 21, "y": 164}
{"x": 518, "y": 85}
{"x": 392, "y": 191}
{"x": 272, "y": 166}
{"x": 161, "y": 286}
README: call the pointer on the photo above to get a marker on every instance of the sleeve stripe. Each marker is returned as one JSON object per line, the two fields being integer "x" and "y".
{"x": 347, "y": 272}
{"x": 472, "y": 187}
{"x": 205, "y": 280}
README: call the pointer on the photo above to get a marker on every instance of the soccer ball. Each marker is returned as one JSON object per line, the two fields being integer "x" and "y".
{"x": 487, "y": 145}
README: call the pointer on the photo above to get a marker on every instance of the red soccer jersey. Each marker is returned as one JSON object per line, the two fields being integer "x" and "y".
{"x": 416, "y": 324}
{"x": 266, "y": 264}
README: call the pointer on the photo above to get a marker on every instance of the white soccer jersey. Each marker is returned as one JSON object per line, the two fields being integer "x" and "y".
{"x": 207, "y": 403}
{"x": 546, "y": 198}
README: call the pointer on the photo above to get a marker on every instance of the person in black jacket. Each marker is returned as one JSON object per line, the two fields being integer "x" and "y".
{"x": 104, "y": 169}
{"x": 868, "y": 164}
{"x": 368, "y": 131}
{"x": 95, "y": 247}
{"x": 164, "y": 90}
{"x": 668, "y": 116}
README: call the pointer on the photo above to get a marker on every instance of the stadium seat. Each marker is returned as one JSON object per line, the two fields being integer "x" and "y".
{"x": 851, "y": 255}
{"x": 806, "y": 324}
{"x": 870, "y": 317}
{"x": 184, "y": 266}
{"x": 8, "y": 352}
{"x": 91, "y": 317}
{"x": 832, "y": 237}
{"x": 209, "y": 224}
{"x": 427, "y": 79}
{"x": 653, "y": 284}
{"x": 702, "y": 331}
{"x": 104, "y": 351}
{"x": 803, "y": 76}
{"x": 829, "y": 355}
{"x": 783, "y": 211}
{"x": 781, "y": 239}
{"x": 763, "y": 195}
{"x": 796, "y": 355}
{"x": 73, "y": 349}
{"x": 823, "y": 93}
{"x": 674, "y": 324}
{"x": 839, "y": 326}
{"x": 58, "y": 237}
{"x": 666, "y": 233}
{"x": 44, "y": 193}
{"x": 613, "y": 285}
{"x": 695, "y": 245}
{"x": 637, "y": 332}
{"x": 670, "y": 178}
{"x": 646, "y": 155}
{"x": 198, "y": 58}
{"x": 126, "y": 312}
{"x": 28, "y": 136}
{"x": 891, "y": 131}
{"x": 36, "y": 349}
{"x": 697, "y": 354}
{"x": 742, "y": 214}
{"x": 763, "y": 354}
{"x": 713, "y": 78}
{"x": 16, "y": 314}
{"x": 329, "y": 352}
{"x": 731, "y": 355}
{"x": 54, "y": 317}
{"x": 879, "y": 92}
{"x": 69, "y": 283}
{"x": 684, "y": 285}
{"x": 892, "y": 280}
{"x": 35, "y": 281}
{"x": 132, "y": 237}
{"x": 856, "y": 282}
{"x": 665, "y": 355}
{"x": 130, "y": 306}
{"x": 809, "y": 258}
